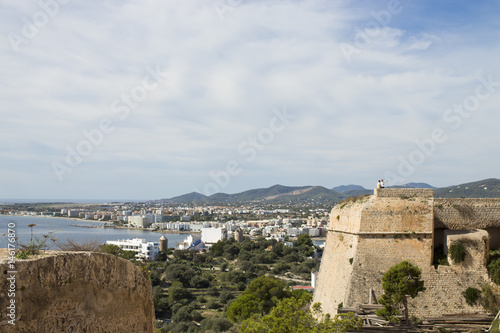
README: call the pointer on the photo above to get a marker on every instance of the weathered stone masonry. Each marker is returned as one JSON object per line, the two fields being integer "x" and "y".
{"x": 77, "y": 292}
{"x": 370, "y": 235}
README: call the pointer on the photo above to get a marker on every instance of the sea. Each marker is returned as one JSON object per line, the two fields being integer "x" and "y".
{"x": 62, "y": 229}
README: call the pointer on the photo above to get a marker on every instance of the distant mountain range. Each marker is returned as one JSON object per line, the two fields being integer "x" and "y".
{"x": 279, "y": 194}
{"x": 487, "y": 188}
{"x": 273, "y": 194}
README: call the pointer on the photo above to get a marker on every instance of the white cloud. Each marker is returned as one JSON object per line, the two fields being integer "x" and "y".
{"x": 223, "y": 79}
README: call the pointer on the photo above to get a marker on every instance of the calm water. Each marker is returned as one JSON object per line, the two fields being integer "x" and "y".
{"x": 64, "y": 229}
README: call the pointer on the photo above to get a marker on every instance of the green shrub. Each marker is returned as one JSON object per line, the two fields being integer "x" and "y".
{"x": 494, "y": 271}
{"x": 495, "y": 328}
{"x": 225, "y": 296}
{"x": 22, "y": 255}
{"x": 489, "y": 301}
{"x": 213, "y": 304}
{"x": 457, "y": 252}
{"x": 494, "y": 266}
{"x": 35, "y": 245}
{"x": 472, "y": 295}
{"x": 213, "y": 291}
{"x": 216, "y": 324}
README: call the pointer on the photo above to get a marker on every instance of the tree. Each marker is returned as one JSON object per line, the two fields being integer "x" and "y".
{"x": 127, "y": 255}
{"x": 110, "y": 249}
{"x": 177, "y": 292}
{"x": 269, "y": 290}
{"x": 303, "y": 239}
{"x": 159, "y": 300}
{"x": 117, "y": 251}
{"x": 294, "y": 315}
{"x": 225, "y": 296}
{"x": 261, "y": 295}
{"x": 198, "y": 281}
{"x": 179, "y": 272}
{"x": 216, "y": 324}
{"x": 186, "y": 313}
{"x": 243, "y": 308}
{"x": 217, "y": 249}
{"x": 400, "y": 282}
{"x": 231, "y": 252}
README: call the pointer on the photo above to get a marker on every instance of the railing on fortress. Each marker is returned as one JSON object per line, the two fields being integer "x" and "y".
{"x": 403, "y": 192}
{"x": 453, "y": 213}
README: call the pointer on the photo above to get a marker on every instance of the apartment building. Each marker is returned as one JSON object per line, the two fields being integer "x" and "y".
{"x": 144, "y": 250}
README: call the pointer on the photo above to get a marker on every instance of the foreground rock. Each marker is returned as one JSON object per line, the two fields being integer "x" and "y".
{"x": 75, "y": 292}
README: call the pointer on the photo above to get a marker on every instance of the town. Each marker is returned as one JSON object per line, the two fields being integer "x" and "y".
{"x": 205, "y": 225}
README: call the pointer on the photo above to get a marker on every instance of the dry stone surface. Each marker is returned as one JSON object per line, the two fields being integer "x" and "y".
{"x": 78, "y": 292}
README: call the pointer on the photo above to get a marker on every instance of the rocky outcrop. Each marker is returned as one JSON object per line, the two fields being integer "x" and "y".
{"x": 75, "y": 292}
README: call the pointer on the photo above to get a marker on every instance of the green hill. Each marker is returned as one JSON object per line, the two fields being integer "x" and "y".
{"x": 413, "y": 185}
{"x": 190, "y": 197}
{"x": 348, "y": 188}
{"x": 312, "y": 194}
{"x": 487, "y": 188}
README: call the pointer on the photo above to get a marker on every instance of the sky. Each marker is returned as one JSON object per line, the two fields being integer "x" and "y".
{"x": 143, "y": 99}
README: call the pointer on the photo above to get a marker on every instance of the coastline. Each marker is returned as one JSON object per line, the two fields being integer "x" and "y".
{"x": 110, "y": 224}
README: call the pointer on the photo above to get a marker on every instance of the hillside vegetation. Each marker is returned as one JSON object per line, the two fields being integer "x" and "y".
{"x": 279, "y": 194}
{"x": 488, "y": 188}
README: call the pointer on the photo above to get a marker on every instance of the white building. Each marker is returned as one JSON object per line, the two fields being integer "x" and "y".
{"x": 190, "y": 242}
{"x": 270, "y": 229}
{"x": 210, "y": 236}
{"x": 73, "y": 213}
{"x": 197, "y": 227}
{"x": 144, "y": 250}
{"x": 155, "y": 218}
{"x": 255, "y": 232}
{"x": 315, "y": 232}
{"x": 139, "y": 221}
{"x": 314, "y": 279}
{"x": 280, "y": 237}
{"x": 175, "y": 226}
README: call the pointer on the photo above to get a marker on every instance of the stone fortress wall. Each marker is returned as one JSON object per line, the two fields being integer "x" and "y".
{"x": 466, "y": 213}
{"x": 77, "y": 292}
{"x": 370, "y": 235}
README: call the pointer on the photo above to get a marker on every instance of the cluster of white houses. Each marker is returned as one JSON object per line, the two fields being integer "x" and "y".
{"x": 149, "y": 250}
{"x": 156, "y": 219}
{"x": 209, "y": 236}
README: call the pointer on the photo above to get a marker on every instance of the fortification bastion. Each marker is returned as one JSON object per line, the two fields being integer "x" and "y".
{"x": 369, "y": 235}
